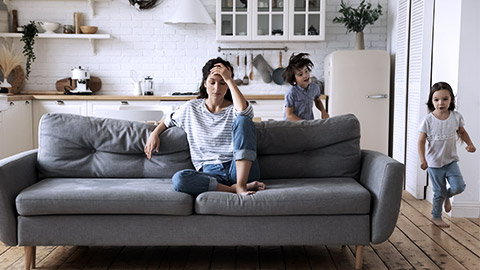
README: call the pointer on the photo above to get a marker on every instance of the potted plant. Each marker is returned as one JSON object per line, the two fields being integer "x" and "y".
{"x": 355, "y": 19}
{"x": 30, "y": 31}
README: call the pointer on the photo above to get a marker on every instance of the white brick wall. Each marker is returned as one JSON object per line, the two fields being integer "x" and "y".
{"x": 172, "y": 54}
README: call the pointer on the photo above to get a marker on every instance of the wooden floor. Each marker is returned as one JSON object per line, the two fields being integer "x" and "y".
{"x": 415, "y": 244}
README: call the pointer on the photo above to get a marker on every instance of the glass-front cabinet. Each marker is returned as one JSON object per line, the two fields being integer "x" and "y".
{"x": 233, "y": 20}
{"x": 270, "y": 20}
{"x": 307, "y": 19}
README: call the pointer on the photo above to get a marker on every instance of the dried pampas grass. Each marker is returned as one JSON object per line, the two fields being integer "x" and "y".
{"x": 10, "y": 58}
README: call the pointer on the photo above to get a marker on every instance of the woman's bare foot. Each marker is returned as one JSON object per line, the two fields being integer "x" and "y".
{"x": 447, "y": 205}
{"x": 255, "y": 186}
{"x": 440, "y": 223}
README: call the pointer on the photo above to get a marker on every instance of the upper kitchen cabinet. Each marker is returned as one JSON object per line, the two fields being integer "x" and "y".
{"x": 234, "y": 20}
{"x": 270, "y": 20}
{"x": 307, "y": 20}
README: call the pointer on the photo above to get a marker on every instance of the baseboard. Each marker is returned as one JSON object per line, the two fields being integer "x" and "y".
{"x": 465, "y": 209}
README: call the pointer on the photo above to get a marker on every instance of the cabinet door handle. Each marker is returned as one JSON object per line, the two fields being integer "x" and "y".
{"x": 253, "y": 101}
{"x": 60, "y": 102}
{"x": 12, "y": 103}
{"x": 124, "y": 102}
{"x": 378, "y": 96}
{"x": 27, "y": 102}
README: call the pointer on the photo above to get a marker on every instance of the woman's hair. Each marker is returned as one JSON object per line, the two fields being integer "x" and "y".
{"x": 437, "y": 87}
{"x": 296, "y": 62}
{"x": 206, "y": 72}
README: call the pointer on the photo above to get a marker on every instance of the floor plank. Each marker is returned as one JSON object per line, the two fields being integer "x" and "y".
{"x": 199, "y": 258}
{"x": 447, "y": 242}
{"x": 223, "y": 258}
{"x": 475, "y": 220}
{"x": 42, "y": 253}
{"x": 247, "y": 258}
{"x": 271, "y": 258}
{"x": 438, "y": 255}
{"x": 10, "y": 256}
{"x": 295, "y": 258}
{"x": 102, "y": 257}
{"x": 370, "y": 258}
{"x": 411, "y": 252}
{"x": 342, "y": 257}
{"x": 468, "y": 226}
{"x": 175, "y": 258}
{"x": 455, "y": 231}
{"x": 390, "y": 256}
{"x": 319, "y": 258}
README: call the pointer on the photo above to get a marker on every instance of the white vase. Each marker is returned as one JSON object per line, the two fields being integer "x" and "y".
{"x": 5, "y": 84}
{"x": 359, "y": 42}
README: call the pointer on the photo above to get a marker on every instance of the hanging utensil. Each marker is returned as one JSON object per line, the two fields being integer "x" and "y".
{"x": 278, "y": 72}
{"x": 238, "y": 81}
{"x": 251, "y": 67}
{"x": 245, "y": 78}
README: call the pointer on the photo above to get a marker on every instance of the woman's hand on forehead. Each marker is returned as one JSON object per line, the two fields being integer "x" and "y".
{"x": 221, "y": 70}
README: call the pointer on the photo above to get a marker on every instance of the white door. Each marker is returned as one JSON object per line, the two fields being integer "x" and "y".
{"x": 358, "y": 82}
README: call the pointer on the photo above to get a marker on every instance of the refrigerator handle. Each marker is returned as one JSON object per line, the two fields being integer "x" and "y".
{"x": 378, "y": 96}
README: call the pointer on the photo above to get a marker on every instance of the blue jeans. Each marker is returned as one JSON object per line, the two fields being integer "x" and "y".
{"x": 451, "y": 173}
{"x": 244, "y": 147}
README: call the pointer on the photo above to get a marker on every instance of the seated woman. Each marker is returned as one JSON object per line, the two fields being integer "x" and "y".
{"x": 221, "y": 136}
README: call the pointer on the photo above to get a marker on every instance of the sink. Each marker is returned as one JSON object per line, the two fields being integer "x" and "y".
{"x": 3, "y": 102}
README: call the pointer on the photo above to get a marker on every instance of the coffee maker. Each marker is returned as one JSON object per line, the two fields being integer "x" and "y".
{"x": 82, "y": 79}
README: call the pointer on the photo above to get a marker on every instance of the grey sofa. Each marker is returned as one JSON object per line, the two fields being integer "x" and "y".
{"x": 90, "y": 184}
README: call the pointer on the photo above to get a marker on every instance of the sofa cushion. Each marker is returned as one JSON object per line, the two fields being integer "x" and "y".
{"x": 326, "y": 196}
{"x": 54, "y": 196}
{"x": 309, "y": 149}
{"x": 85, "y": 147}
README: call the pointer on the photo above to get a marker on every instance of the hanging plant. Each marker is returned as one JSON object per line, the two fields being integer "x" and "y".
{"x": 355, "y": 19}
{"x": 144, "y": 4}
{"x": 28, "y": 38}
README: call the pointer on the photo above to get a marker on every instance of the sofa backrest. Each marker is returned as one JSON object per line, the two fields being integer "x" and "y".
{"x": 78, "y": 146}
{"x": 318, "y": 148}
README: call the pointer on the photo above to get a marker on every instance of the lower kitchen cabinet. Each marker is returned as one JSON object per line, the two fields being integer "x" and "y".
{"x": 16, "y": 128}
{"x": 41, "y": 107}
{"x": 268, "y": 109}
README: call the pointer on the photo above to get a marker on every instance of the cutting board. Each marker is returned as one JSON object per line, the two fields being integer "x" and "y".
{"x": 95, "y": 84}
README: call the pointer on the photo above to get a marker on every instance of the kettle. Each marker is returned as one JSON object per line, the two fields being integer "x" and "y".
{"x": 147, "y": 86}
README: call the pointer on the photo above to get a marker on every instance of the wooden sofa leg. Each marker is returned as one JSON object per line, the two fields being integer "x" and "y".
{"x": 30, "y": 256}
{"x": 358, "y": 257}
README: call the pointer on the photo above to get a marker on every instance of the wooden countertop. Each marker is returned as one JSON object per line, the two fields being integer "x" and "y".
{"x": 54, "y": 96}
{"x": 113, "y": 97}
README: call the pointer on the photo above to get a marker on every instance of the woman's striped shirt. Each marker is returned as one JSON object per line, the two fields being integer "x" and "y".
{"x": 209, "y": 134}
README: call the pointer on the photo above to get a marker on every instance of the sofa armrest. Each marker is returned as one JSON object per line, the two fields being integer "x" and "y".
{"x": 383, "y": 177}
{"x": 16, "y": 173}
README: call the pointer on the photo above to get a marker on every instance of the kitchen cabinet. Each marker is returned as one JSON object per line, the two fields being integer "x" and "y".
{"x": 268, "y": 110}
{"x": 270, "y": 20}
{"x": 91, "y": 37}
{"x": 41, "y": 107}
{"x": 17, "y": 131}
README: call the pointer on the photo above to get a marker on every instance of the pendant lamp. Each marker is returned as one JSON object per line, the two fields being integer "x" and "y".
{"x": 190, "y": 11}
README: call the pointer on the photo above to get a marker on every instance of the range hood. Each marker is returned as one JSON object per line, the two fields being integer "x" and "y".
{"x": 190, "y": 11}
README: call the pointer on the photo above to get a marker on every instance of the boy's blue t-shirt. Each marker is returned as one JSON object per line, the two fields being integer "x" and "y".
{"x": 302, "y": 100}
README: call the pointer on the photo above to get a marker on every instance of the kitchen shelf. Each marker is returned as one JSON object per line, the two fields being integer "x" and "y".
{"x": 91, "y": 4}
{"x": 90, "y": 37}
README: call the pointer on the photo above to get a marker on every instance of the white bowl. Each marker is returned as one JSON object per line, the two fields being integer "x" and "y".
{"x": 49, "y": 27}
